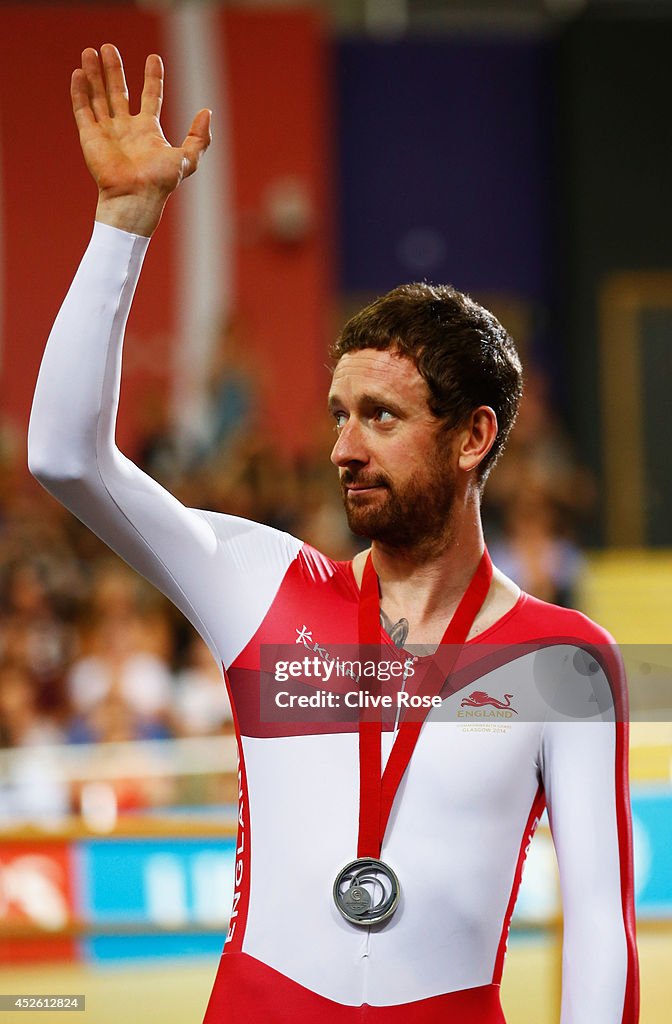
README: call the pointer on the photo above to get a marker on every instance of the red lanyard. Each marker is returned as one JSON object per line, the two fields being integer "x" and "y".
{"x": 377, "y": 791}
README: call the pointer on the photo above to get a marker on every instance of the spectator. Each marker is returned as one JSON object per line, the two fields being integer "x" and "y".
{"x": 125, "y": 656}
{"x": 201, "y": 700}
{"x": 31, "y": 789}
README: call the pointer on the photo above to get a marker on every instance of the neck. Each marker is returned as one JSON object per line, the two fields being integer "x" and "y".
{"x": 433, "y": 573}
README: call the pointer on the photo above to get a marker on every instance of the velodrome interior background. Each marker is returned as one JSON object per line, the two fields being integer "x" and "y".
{"x": 519, "y": 149}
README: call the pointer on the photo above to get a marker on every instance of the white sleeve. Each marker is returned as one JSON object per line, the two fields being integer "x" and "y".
{"x": 585, "y": 776}
{"x": 221, "y": 571}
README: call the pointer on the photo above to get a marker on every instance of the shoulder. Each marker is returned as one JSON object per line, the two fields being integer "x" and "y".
{"x": 533, "y": 620}
{"x": 268, "y": 555}
{"x": 570, "y": 645}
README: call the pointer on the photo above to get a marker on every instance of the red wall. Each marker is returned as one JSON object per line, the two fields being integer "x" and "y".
{"x": 278, "y": 91}
{"x": 48, "y": 199}
{"x": 279, "y": 88}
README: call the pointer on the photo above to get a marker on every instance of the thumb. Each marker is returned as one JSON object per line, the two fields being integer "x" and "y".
{"x": 196, "y": 141}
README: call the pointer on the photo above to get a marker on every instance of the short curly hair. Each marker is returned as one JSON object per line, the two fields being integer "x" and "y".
{"x": 462, "y": 351}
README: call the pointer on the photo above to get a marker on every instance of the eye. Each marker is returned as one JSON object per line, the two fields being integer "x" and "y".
{"x": 383, "y": 415}
{"x": 339, "y": 419}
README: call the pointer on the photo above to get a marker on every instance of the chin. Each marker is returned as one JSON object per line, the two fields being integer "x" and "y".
{"x": 364, "y": 506}
{"x": 368, "y": 523}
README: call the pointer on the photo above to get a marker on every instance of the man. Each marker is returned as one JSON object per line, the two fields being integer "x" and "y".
{"x": 377, "y": 864}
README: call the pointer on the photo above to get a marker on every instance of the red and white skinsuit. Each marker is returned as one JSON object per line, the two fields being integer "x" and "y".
{"x": 470, "y": 798}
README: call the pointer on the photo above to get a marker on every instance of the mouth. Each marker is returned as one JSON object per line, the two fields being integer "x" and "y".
{"x": 362, "y": 489}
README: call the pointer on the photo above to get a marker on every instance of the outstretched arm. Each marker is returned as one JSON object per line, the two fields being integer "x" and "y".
{"x": 220, "y": 571}
{"x": 127, "y": 155}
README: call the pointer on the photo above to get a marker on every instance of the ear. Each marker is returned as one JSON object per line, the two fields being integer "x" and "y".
{"x": 477, "y": 438}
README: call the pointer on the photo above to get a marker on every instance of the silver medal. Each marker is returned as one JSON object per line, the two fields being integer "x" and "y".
{"x": 366, "y": 891}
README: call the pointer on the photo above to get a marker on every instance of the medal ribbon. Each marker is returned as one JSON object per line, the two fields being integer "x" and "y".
{"x": 377, "y": 789}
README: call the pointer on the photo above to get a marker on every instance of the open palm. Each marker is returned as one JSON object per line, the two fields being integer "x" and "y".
{"x": 129, "y": 158}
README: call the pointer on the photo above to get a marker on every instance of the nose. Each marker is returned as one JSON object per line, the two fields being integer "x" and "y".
{"x": 350, "y": 445}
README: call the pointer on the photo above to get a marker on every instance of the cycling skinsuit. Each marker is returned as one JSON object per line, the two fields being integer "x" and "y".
{"x": 477, "y": 782}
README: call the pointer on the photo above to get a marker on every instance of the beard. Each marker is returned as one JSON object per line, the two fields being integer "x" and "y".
{"x": 413, "y": 514}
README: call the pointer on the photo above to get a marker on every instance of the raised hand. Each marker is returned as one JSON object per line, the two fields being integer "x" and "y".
{"x": 129, "y": 158}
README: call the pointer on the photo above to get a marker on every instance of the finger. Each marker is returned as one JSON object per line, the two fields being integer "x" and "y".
{"x": 197, "y": 141}
{"x": 115, "y": 80}
{"x": 96, "y": 86}
{"x": 79, "y": 94}
{"x": 152, "y": 90}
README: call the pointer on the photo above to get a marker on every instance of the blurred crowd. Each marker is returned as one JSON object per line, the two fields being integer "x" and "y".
{"x": 90, "y": 653}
